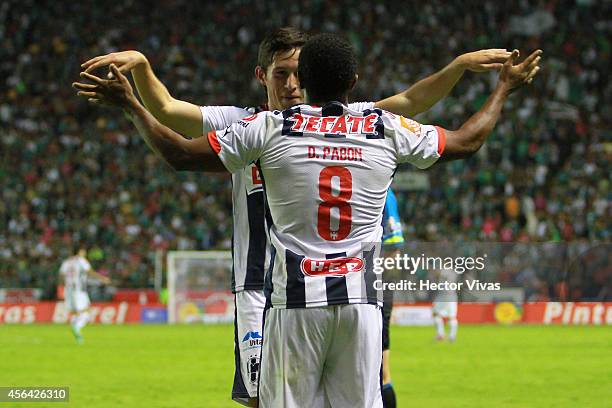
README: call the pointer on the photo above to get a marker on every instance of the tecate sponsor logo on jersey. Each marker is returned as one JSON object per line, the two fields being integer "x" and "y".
{"x": 331, "y": 267}
{"x": 335, "y": 125}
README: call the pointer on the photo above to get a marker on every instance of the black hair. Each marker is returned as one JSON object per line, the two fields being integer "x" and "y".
{"x": 327, "y": 68}
{"x": 280, "y": 40}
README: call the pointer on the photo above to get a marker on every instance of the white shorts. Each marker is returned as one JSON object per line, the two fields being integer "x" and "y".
{"x": 76, "y": 300}
{"x": 248, "y": 336}
{"x": 445, "y": 309}
{"x": 322, "y": 357}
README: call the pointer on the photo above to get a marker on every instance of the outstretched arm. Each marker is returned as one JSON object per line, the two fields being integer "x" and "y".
{"x": 182, "y": 116}
{"x": 469, "y": 138}
{"x": 100, "y": 277}
{"x": 421, "y": 96}
{"x": 178, "y": 152}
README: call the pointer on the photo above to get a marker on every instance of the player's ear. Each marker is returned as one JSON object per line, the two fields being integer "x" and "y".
{"x": 260, "y": 74}
{"x": 354, "y": 82}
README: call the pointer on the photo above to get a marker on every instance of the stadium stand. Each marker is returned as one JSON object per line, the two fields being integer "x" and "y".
{"x": 73, "y": 173}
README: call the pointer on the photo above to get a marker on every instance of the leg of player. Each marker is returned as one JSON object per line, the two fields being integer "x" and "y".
{"x": 81, "y": 320}
{"x": 296, "y": 343}
{"x": 74, "y": 316}
{"x": 388, "y": 393}
{"x": 81, "y": 305}
{"x": 75, "y": 303}
{"x": 452, "y": 325}
{"x": 351, "y": 375}
{"x": 439, "y": 323}
{"x": 249, "y": 309}
{"x": 452, "y": 322}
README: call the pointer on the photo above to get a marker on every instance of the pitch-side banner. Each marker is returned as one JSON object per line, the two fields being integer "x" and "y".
{"x": 203, "y": 306}
{"x": 564, "y": 313}
{"x": 55, "y": 312}
{"x": 597, "y": 313}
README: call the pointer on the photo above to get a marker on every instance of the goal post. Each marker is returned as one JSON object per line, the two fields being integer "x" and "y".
{"x": 199, "y": 285}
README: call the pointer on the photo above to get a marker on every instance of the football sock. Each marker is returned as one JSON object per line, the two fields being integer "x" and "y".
{"x": 73, "y": 320}
{"x": 388, "y": 396}
{"x": 439, "y": 326}
{"x": 82, "y": 320}
{"x": 452, "y": 324}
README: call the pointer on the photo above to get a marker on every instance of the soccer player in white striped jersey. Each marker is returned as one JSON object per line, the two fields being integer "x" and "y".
{"x": 73, "y": 288}
{"x": 276, "y": 71}
{"x": 326, "y": 170}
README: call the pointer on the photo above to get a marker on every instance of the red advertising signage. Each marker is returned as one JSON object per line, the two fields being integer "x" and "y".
{"x": 597, "y": 313}
{"x": 55, "y": 312}
{"x": 568, "y": 313}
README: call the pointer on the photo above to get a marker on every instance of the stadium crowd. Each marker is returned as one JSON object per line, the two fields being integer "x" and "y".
{"x": 75, "y": 173}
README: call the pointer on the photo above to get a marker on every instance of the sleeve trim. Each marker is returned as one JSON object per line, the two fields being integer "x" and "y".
{"x": 214, "y": 142}
{"x": 441, "y": 140}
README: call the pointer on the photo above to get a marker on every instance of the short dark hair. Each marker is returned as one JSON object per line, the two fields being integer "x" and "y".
{"x": 280, "y": 40}
{"x": 327, "y": 67}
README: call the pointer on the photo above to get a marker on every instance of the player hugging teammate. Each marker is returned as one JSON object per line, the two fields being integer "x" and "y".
{"x": 322, "y": 336}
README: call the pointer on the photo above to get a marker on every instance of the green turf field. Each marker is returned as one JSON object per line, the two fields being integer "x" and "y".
{"x": 192, "y": 366}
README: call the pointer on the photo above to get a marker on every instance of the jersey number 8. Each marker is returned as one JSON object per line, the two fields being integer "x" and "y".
{"x": 339, "y": 201}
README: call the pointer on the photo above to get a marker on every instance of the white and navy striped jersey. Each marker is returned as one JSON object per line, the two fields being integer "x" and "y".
{"x": 326, "y": 172}
{"x": 74, "y": 270}
{"x": 250, "y": 246}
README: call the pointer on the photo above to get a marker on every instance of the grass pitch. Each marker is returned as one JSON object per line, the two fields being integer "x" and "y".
{"x": 189, "y": 366}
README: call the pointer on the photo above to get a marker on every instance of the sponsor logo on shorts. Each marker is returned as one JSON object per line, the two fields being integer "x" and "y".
{"x": 252, "y": 340}
{"x": 331, "y": 267}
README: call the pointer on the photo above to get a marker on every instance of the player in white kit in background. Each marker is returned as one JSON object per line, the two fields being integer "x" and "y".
{"x": 277, "y": 72}
{"x": 73, "y": 279}
{"x": 326, "y": 170}
{"x": 445, "y": 306}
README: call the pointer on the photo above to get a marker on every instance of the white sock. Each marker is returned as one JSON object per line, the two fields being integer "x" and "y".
{"x": 439, "y": 322}
{"x": 452, "y": 324}
{"x": 82, "y": 320}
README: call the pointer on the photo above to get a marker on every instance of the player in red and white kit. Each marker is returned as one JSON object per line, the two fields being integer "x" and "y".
{"x": 326, "y": 170}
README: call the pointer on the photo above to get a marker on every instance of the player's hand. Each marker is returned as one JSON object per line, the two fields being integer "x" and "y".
{"x": 123, "y": 60}
{"x": 484, "y": 60}
{"x": 514, "y": 75}
{"x": 113, "y": 92}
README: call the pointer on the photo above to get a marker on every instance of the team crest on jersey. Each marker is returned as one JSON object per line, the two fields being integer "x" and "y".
{"x": 331, "y": 267}
{"x": 244, "y": 122}
{"x": 411, "y": 125}
{"x": 250, "y": 118}
{"x": 252, "y": 361}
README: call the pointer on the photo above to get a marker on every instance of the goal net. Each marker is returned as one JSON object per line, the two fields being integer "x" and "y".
{"x": 198, "y": 287}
